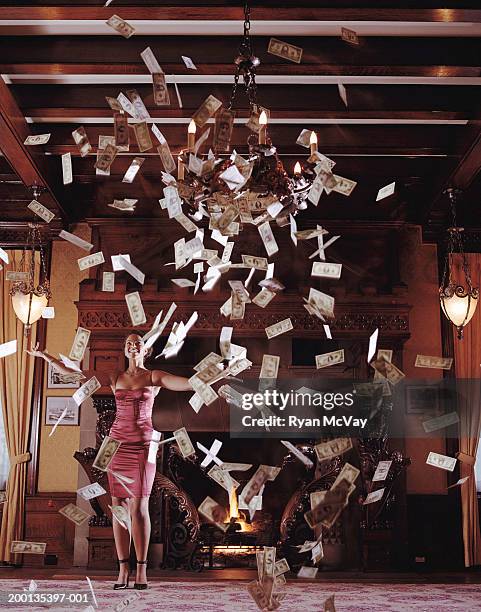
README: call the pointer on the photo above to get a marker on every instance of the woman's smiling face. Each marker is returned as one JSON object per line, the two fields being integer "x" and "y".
{"x": 134, "y": 346}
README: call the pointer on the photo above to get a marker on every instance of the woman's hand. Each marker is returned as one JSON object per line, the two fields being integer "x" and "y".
{"x": 34, "y": 352}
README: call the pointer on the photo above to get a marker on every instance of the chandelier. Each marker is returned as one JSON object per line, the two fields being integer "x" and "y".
{"x": 458, "y": 299}
{"x": 28, "y": 298}
{"x": 247, "y": 184}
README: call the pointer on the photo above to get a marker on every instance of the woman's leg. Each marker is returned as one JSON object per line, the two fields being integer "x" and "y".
{"x": 122, "y": 539}
{"x": 139, "y": 512}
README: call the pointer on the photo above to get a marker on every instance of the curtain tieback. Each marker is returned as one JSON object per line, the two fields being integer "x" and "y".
{"x": 464, "y": 458}
{"x": 23, "y": 458}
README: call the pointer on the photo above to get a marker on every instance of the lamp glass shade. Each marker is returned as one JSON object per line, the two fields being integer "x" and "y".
{"x": 459, "y": 310}
{"x": 28, "y": 312}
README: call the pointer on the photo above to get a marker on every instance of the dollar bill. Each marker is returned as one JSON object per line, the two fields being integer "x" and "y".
{"x": 304, "y": 139}
{"x": 67, "y": 172}
{"x": 79, "y": 344}
{"x": 240, "y": 291}
{"x": 3, "y": 497}
{"x": 270, "y": 366}
{"x": 385, "y": 354}
{"x": 121, "y": 514}
{"x": 184, "y": 442}
{"x": 307, "y": 572}
{"x": 142, "y": 136}
{"x": 326, "y": 270}
{"x": 102, "y": 143}
{"x": 196, "y": 402}
{"x": 388, "y": 370}
{"x": 106, "y": 453}
{"x": 206, "y": 392}
{"x": 386, "y": 191}
{"x": 161, "y": 93}
{"x": 281, "y": 327}
{"x": 257, "y": 481}
{"x": 166, "y": 157}
{"x": 121, "y": 26}
{"x": 121, "y": 131}
{"x": 427, "y": 361}
{"x": 281, "y": 567}
{"x": 186, "y": 223}
{"x": 136, "y": 310}
{"x": 90, "y": 491}
{"x": 445, "y": 420}
{"x": 382, "y": 470}
{"x": 183, "y": 282}
{"x": 86, "y": 390}
{"x": 214, "y": 512}
{"x": 230, "y": 213}
{"x": 327, "y": 505}
{"x": 268, "y": 239}
{"x": 257, "y": 593}
{"x": 329, "y": 359}
{"x": 211, "y": 358}
{"x": 297, "y": 453}
{"x": 207, "y": 109}
{"x": 95, "y": 259}
{"x": 37, "y": 139}
{"x": 188, "y": 62}
{"x": 113, "y": 103}
{"x": 441, "y": 461}
{"x": 76, "y": 240}
{"x": 373, "y": 497}
{"x": 28, "y": 548}
{"x": 106, "y": 157}
{"x": 126, "y": 105}
{"x": 224, "y": 123}
{"x": 343, "y": 185}
{"x": 150, "y": 61}
{"x": 348, "y": 472}
{"x": 259, "y": 263}
{"x": 125, "y": 604}
{"x": 125, "y": 205}
{"x": 139, "y": 107}
{"x": 329, "y": 604}
{"x": 41, "y": 211}
{"x": 108, "y": 281}
{"x": 285, "y": 50}
{"x": 349, "y": 36}
{"x": 333, "y": 448}
{"x": 74, "y": 514}
{"x": 322, "y": 161}
{"x": 131, "y": 269}
{"x": 17, "y": 277}
{"x": 80, "y": 137}
{"x": 223, "y": 478}
{"x": 263, "y": 298}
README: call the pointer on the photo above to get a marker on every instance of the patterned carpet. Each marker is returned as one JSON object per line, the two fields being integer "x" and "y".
{"x": 231, "y": 596}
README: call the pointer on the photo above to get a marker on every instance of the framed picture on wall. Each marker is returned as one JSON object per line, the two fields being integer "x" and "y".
{"x": 59, "y": 380}
{"x": 55, "y": 407}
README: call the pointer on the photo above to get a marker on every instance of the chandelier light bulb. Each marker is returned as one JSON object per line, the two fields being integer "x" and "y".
{"x": 263, "y": 119}
{"x": 297, "y": 168}
{"x": 313, "y": 142}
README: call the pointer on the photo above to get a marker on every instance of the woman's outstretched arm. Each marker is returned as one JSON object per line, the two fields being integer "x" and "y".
{"x": 170, "y": 381}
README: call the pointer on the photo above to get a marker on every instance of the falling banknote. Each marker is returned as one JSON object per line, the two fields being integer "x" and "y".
{"x": 136, "y": 310}
{"x": 214, "y": 512}
{"x": 90, "y": 491}
{"x": 41, "y": 211}
{"x": 281, "y": 327}
{"x": 86, "y": 390}
{"x": 106, "y": 453}
{"x": 74, "y": 514}
{"x": 329, "y": 359}
{"x": 120, "y": 26}
{"x": 95, "y": 259}
{"x": 28, "y": 548}
{"x": 79, "y": 344}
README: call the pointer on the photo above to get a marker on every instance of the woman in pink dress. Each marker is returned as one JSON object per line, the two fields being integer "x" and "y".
{"x": 135, "y": 390}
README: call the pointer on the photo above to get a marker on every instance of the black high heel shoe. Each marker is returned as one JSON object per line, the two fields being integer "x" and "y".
{"x": 122, "y": 585}
{"x": 141, "y": 586}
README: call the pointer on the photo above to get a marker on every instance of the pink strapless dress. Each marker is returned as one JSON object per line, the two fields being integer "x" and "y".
{"x": 133, "y": 427}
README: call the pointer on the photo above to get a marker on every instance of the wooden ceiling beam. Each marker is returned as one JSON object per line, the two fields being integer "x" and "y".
{"x": 30, "y": 167}
{"x": 261, "y": 13}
